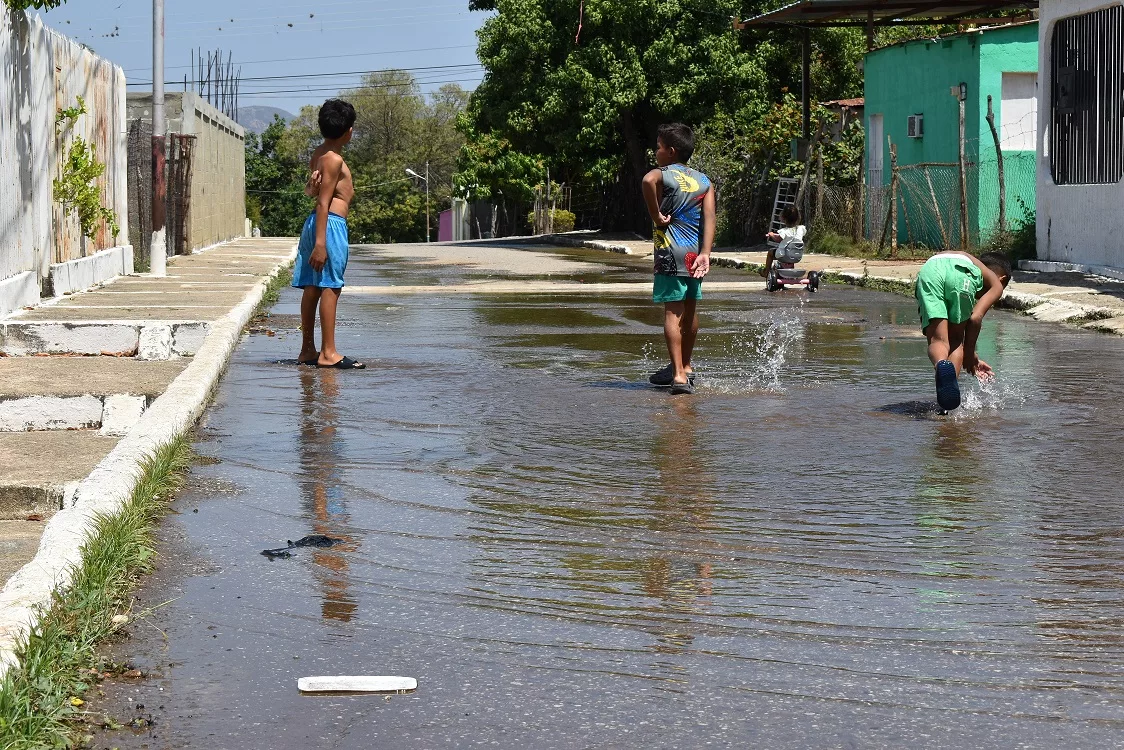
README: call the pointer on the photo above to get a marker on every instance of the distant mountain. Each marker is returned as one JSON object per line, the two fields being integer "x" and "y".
{"x": 257, "y": 119}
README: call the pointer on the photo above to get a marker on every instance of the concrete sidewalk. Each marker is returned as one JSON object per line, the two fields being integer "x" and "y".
{"x": 1085, "y": 300}
{"x": 78, "y": 374}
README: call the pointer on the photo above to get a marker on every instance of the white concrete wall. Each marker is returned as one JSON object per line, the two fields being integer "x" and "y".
{"x": 1081, "y": 224}
{"x": 44, "y": 72}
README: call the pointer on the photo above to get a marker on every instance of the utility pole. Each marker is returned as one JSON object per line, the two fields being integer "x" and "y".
{"x": 158, "y": 253}
{"x": 425, "y": 179}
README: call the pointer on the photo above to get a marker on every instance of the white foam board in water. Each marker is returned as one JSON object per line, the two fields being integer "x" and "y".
{"x": 356, "y": 684}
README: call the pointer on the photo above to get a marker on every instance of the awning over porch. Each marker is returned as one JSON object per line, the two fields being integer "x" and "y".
{"x": 822, "y": 13}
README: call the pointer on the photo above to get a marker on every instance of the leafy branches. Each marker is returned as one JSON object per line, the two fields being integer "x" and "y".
{"x": 77, "y": 189}
{"x": 37, "y": 4}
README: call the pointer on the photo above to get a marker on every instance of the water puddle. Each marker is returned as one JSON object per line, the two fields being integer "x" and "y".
{"x": 802, "y": 554}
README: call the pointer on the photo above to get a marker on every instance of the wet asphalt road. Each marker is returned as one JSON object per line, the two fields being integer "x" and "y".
{"x": 801, "y": 555}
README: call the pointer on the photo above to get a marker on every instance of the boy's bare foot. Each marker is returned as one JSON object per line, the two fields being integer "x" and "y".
{"x": 308, "y": 357}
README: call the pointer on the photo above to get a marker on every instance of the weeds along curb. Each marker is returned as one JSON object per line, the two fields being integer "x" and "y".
{"x": 41, "y": 697}
{"x": 30, "y": 592}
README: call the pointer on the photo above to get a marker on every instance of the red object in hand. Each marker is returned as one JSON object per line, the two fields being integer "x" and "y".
{"x": 690, "y": 259}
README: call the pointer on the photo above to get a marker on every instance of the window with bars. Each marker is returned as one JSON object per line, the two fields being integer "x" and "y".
{"x": 1087, "y": 100}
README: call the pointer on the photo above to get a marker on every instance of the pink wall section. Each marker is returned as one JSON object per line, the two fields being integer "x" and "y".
{"x": 445, "y": 226}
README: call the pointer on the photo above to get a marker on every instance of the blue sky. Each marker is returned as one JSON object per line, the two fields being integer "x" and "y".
{"x": 284, "y": 38}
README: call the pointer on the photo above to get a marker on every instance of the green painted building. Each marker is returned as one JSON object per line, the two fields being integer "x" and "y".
{"x": 909, "y": 97}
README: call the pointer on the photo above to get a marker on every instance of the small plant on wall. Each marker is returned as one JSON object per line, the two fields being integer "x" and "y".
{"x": 77, "y": 189}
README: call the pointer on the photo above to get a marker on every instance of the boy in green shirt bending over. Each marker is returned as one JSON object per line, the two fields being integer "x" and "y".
{"x": 954, "y": 291}
{"x": 680, "y": 201}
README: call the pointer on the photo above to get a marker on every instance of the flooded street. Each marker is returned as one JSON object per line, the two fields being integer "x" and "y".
{"x": 801, "y": 555}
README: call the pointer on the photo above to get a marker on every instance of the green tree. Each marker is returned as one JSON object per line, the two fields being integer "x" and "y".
{"x": 275, "y": 198}
{"x": 396, "y": 127}
{"x": 37, "y": 4}
{"x": 592, "y": 106}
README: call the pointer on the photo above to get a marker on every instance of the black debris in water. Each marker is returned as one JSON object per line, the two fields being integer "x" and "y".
{"x": 313, "y": 540}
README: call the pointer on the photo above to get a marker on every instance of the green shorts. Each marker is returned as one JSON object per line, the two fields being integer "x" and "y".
{"x": 675, "y": 288}
{"x": 946, "y": 289}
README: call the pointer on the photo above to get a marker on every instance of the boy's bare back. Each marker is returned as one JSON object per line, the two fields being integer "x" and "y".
{"x": 324, "y": 161}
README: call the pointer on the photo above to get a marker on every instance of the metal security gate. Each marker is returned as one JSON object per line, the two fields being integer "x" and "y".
{"x": 179, "y": 167}
{"x": 1087, "y": 98}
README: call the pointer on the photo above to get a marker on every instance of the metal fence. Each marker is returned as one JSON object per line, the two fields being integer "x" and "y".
{"x": 179, "y": 168}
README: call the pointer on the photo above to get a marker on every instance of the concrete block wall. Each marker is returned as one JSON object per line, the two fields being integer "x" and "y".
{"x": 217, "y": 210}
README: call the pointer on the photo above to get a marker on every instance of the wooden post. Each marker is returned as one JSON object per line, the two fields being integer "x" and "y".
{"x": 999, "y": 161}
{"x": 905, "y": 214}
{"x": 860, "y": 225}
{"x": 806, "y": 82}
{"x": 819, "y": 180}
{"x": 869, "y": 30}
{"x": 893, "y": 198}
{"x": 802, "y": 192}
{"x": 962, "y": 97}
{"x": 937, "y": 210}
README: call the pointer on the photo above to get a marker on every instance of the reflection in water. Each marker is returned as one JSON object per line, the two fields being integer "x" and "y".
{"x": 681, "y": 503}
{"x": 322, "y": 489}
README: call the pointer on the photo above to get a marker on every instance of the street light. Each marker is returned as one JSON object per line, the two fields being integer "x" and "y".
{"x": 425, "y": 179}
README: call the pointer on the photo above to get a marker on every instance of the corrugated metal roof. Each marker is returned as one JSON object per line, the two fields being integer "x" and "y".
{"x": 883, "y": 12}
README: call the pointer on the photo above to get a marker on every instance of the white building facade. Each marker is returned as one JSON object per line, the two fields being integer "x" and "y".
{"x": 1080, "y": 192}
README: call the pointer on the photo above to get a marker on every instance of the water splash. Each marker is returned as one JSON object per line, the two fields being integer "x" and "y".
{"x": 993, "y": 395}
{"x": 756, "y": 360}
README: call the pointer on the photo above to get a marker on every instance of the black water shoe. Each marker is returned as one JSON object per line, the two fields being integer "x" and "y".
{"x": 682, "y": 389}
{"x": 666, "y": 376}
{"x": 948, "y": 389}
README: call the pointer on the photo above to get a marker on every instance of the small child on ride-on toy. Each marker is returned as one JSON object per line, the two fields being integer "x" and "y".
{"x": 786, "y": 248}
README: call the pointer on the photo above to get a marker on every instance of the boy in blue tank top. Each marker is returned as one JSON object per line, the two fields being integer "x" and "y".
{"x": 680, "y": 201}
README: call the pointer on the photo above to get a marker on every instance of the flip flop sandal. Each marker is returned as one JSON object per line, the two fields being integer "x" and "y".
{"x": 666, "y": 376}
{"x": 948, "y": 389}
{"x": 685, "y": 389}
{"x": 311, "y": 362}
{"x": 347, "y": 363}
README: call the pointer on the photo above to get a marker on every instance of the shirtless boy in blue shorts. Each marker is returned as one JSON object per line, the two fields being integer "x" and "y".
{"x": 323, "y": 248}
{"x": 680, "y": 201}
{"x": 954, "y": 291}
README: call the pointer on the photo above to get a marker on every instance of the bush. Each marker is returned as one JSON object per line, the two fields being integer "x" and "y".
{"x": 563, "y": 220}
{"x": 1020, "y": 242}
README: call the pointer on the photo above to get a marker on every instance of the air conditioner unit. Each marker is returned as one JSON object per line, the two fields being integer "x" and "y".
{"x": 916, "y": 126}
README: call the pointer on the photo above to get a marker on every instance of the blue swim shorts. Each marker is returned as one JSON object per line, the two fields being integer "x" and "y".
{"x": 331, "y": 275}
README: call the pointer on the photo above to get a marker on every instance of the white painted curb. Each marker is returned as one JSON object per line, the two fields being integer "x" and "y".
{"x": 109, "y": 485}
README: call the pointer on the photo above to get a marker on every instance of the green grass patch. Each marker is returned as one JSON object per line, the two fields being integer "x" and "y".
{"x": 280, "y": 280}
{"x": 40, "y": 698}
{"x": 827, "y": 242}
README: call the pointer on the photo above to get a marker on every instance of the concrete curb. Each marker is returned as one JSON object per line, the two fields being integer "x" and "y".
{"x": 109, "y": 485}
{"x": 1041, "y": 308}
{"x": 571, "y": 241}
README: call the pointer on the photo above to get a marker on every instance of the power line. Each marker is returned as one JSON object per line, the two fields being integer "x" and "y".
{"x": 341, "y": 73}
{"x": 328, "y": 57}
{"x": 300, "y": 8}
{"x": 358, "y": 188}
{"x": 276, "y": 30}
{"x": 242, "y": 94}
